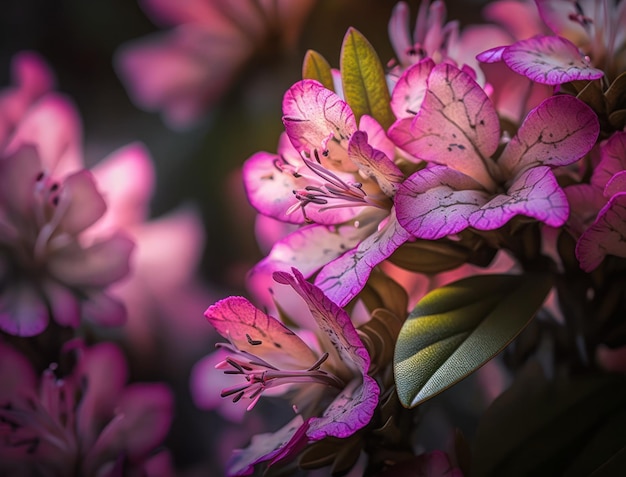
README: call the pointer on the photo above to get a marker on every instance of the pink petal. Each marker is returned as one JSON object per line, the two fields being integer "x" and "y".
{"x": 102, "y": 368}
{"x": 535, "y": 193}
{"x": 493, "y": 55}
{"x": 343, "y": 278}
{"x": 374, "y": 164}
{"x": 457, "y": 125}
{"x": 128, "y": 178}
{"x": 98, "y": 265}
{"x": 308, "y": 249}
{"x": 182, "y": 72}
{"x": 315, "y": 118}
{"x": 18, "y": 175}
{"x": 64, "y": 303}
{"x": 17, "y": 376}
{"x": 438, "y": 201}
{"x": 399, "y": 33}
{"x": 549, "y": 60}
{"x": 613, "y": 159}
{"x": 22, "y": 310}
{"x": 560, "y": 16}
{"x": 332, "y": 320}
{"x": 585, "y": 202}
{"x": 103, "y": 309}
{"x": 80, "y": 202}
{"x": 377, "y": 136}
{"x": 251, "y": 330}
{"x": 351, "y": 410}
{"x": 409, "y": 91}
{"x": 286, "y": 442}
{"x": 607, "y": 235}
{"x": 142, "y": 420}
{"x": 519, "y": 19}
{"x": 558, "y": 132}
{"x": 615, "y": 185}
{"x": 54, "y": 127}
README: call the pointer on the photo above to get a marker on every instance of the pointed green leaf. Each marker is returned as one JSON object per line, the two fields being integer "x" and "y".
{"x": 456, "y": 329}
{"x": 317, "y": 68}
{"x": 363, "y": 79}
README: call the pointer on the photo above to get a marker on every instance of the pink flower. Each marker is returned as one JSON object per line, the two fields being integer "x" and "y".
{"x": 338, "y": 182}
{"x": 457, "y": 131}
{"x": 48, "y": 201}
{"x": 87, "y": 421}
{"x": 264, "y": 355}
{"x": 184, "y": 71}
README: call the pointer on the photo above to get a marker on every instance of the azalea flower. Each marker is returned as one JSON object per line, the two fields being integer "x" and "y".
{"x": 457, "y": 131}
{"x": 336, "y": 180}
{"x": 48, "y": 268}
{"x": 86, "y": 422}
{"x": 600, "y": 206}
{"x": 184, "y": 71}
{"x": 264, "y": 355}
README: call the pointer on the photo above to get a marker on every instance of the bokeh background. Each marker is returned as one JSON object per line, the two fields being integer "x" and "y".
{"x": 197, "y": 165}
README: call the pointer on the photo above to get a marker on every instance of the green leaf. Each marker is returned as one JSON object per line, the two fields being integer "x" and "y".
{"x": 456, "y": 329}
{"x": 429, "y": 256}
{"x": 363, "y": 79}
{"x": 317, "y": 68}
{"x": 568, "y": 427}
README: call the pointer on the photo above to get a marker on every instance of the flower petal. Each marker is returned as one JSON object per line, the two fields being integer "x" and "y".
{"x": 558, "y": 132}
{"x": 103, "y": 309}
{"x": 607, "y": 235}
{"x": 22, "y": 310}
{"x": 343, "y": 278}
{"x": 17, "y": 376}
{"x": 332, "y": 320}
{"x": 80, "y": 202}
{"x": 457, "y": 125}
{"x": 255, "y": 332}
{"x": 350, "y": 411}
{"x": 560, "y": 16}
{"x": 438, "y": 201}
{"x": 613, "y": 160}
{"x": 315, "y": 118}
{"x": 18, "y": 176}
{"x": 64, "y": 303}
{"x": 616, "y": 184}
{"x": 98, "y": 265}
{"x": 549, "y": 60}
{"x": 374, "y": 164}
{"x": 535, "y": 193}
{"x": 409, "y": 91}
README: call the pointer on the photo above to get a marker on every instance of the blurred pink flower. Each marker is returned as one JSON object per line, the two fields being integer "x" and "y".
{"x": 48, "y": 267}
{"x": 185, "y": 70}
{"x": 87, "y": 422}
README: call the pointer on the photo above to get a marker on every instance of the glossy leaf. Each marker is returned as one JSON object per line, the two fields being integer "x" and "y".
{"x": 363, "y": 79}
{"x": 570, "y": 428}
{"x": 428, "y": 256}
{"x": 456, "y": 329}
{"x": 317, "y": 68}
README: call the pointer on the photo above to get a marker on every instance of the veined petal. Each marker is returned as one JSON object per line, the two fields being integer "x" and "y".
{"x": 274, "y": 446}
{"x": 606, "y": 236}
{"x": 343, "y": 278}
{"x": 492, "y": 55}
{"x": 351, "y": 410}
{"x": 316, "y": 118}
{"x": 457, "y": 125}
{"x": 535, "y": 193}
{"x": 585, "y": 201}
{"x": 255, "y": 332}
{"x": 374, "y": 164}
{"x": 409, "y": 91}
{"x": 549, "y": 60}
{"x": 558, "y": 132}
{"x": 613, "y": 154}
{"x": 332, "y": 320}
{"x": 615, "y": 185}
{"x": 377, "y": 136}
{"x": 438, "y": 201}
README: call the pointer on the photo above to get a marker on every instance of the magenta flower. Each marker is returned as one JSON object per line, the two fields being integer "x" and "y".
{"x": 600, "y": 219}
{"x": 88, "y": 422}
{"x": 265, "y": 355}
{"x": 457, "y": 131}
{"x": 335, "y": 180}
{"x": 48, "y": 201}
{"x": 184, "y": 71}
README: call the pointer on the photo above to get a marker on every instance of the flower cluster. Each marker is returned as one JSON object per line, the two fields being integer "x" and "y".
{"x": 503, "y": 140}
